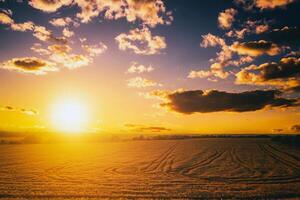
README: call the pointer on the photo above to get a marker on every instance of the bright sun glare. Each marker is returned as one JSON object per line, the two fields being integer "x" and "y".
{"x": 70, "y": 116}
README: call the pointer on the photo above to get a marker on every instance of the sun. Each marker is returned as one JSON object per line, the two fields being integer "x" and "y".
{"x": 70, "y": 116}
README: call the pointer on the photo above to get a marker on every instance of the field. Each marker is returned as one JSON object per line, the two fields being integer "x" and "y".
{"x": 191, "y": 168}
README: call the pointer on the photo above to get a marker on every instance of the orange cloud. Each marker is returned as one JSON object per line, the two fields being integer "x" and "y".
{"x": 226, "y": 18}
{"x": 63, "y": 21}
{"x": 256, "y": 48}
{"x": 49, "y": 5}
{"x": 271, "y": 4}
{"x": 283, "y": 74}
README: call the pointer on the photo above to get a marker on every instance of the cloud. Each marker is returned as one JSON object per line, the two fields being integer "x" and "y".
{"x": 284, "y": 74}
{"x": 139, "y": 82}
{"x": 226, "y": 18}
{"x": 26, "y": 26}
{"x": 285, "y": 35}
{"x": 49, "y": 5}
{"x": 198, "y": 101}
{"x": 20, "y": 110}
{"x": 145, "y": 128}
{"x": 255, "y": 48}
{"x": 261, "y": 28}
{"x": 5, "y": 18}
{"x": 40, "y": 32}
{"x": 271, "y": 4}
{"x": 59, "y": 48}
{"x": 63, "y": 21}
{"x": 37, "y": 47}
{"x": 71, "y": 61}
{"x": 30, "y": 65}
{"x": 199, "y": 74}
{"x": 250, "y": 26}
{"x": 277, "y": 130}
{"x": 240, "y": 34}
{"x": 139, "y": 68}
{"x": 61, "y": 54}
{"x": 296, "y": 128}
{"x": 68, "y": 33}
{"x": 29, "y": 111}
{"x": 94, "y": 50}
{"x": 141, "y": 42}
{"x": 149, "y": 12}
{"x": 224, "y": 58}
{"x": 263, "y": 4}
{"x": 45, "y": 35}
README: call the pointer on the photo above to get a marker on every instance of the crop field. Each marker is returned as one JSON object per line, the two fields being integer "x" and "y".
{"x": 191, "y": 168}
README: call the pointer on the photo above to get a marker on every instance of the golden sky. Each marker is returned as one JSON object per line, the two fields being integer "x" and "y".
{"x": 154, "y": 66}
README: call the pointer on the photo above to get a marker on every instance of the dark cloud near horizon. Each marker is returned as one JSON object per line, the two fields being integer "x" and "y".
{"x": 198, "y": 101}
{"x": 295, "y": 128}
{"x": 144, "y": 128}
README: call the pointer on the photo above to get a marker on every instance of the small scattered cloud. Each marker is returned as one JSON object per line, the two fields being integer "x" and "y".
{"x": 198, "y": 101}
{"x": 277, "y": 130}
{"x": 38, "y": 48}
{"x": 139, "y": 82}
{"x": 141, "y": 41}
{"x": 226, "y": 18}
{"x": 63, "y": 21}
{"x": 29, "y": 65}
{"x": 20, "y": 110}
{"x": 139, "y": 68}
{"x": 94, "y": 50}
{"x": 68, "y": 33}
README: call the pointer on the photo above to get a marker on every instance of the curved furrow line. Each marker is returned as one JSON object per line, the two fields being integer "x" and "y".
{"x": 284, "y": 152}
{"x": 203, "y": 163}
{"x": 281, "y": 159}
{"x": 236, "y": 158}
{"x": 257, "y": 180}
{"x": 154, "y": 165}
{"x": 276, "y": 157}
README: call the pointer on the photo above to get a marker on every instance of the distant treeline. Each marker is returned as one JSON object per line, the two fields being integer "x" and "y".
{"x": 187, "y": 136}
{"x": 293, "y": 140}
{"x": 37, "y": 138}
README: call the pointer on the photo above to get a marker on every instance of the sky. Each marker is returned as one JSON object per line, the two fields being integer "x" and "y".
{"x": 150, "y": 66}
